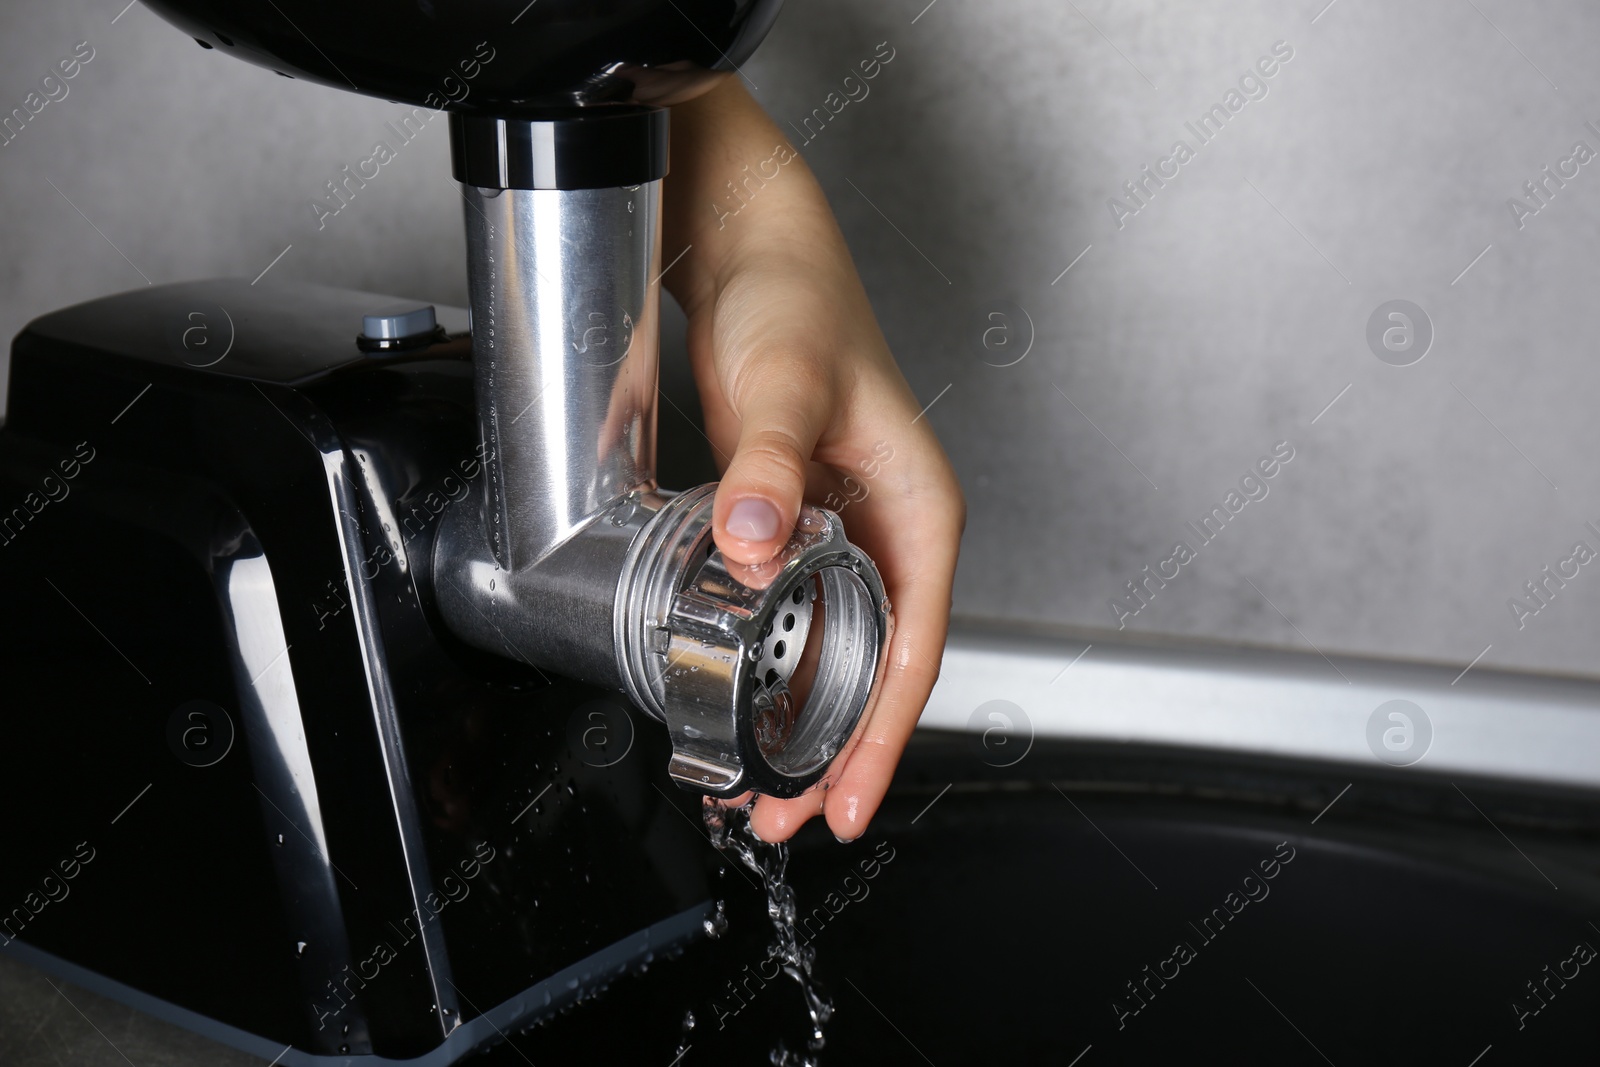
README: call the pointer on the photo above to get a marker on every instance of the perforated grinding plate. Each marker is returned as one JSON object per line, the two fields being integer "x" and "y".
{"x": 785, "y": 639}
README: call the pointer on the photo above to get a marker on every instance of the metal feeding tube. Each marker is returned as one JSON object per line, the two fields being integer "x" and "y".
{"x": 571, "y": 559}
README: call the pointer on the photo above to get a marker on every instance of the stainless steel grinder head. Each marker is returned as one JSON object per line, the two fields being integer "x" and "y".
{"x": 760, "y": 673}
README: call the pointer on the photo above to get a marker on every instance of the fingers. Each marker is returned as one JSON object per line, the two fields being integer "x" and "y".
{"x": 861, "y": 777}
{"x": 784, "y": 403}
{"x": 777, "y": 820}
{"x": 911, "y": 525}
{"x": 913, "y": 667}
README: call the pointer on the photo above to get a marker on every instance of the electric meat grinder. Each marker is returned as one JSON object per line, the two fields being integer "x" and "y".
{"x": 324, "y": 610}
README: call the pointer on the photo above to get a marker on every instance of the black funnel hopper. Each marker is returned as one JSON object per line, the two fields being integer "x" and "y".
{"x": 506, "y": 58}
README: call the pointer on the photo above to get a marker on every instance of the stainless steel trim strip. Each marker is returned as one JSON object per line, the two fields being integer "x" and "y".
{"x": 1496, "y": 724}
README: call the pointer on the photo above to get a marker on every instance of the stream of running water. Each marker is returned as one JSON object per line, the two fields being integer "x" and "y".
{"x": 731, "y": 834}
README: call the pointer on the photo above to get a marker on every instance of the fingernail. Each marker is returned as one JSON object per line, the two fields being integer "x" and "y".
{"x": 753, "y": 519}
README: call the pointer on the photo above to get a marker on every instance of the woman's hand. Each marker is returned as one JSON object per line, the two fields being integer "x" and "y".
{"x": 803, "y": 399}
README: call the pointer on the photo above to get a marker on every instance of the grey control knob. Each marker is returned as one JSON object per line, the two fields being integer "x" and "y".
{"x": 398, "y": 325}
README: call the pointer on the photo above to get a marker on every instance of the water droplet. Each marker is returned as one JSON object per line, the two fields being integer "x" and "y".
{"x": 716, "y": 925}
{"x": 299, "y": 948}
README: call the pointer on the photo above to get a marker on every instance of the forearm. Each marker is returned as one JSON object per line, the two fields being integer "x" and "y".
{"x": 738, "y": 191}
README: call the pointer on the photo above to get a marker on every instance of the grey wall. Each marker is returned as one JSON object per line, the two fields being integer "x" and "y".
{"x": 1220, "y": 319}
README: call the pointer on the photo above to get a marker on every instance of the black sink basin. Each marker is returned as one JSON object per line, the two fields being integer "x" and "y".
{"x": 1005, "y": 923}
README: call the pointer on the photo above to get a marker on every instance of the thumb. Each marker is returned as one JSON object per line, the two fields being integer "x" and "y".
{"x": 784, "y": 405}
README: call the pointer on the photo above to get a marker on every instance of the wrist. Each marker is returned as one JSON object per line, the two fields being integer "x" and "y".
{"x": 737, "y": 190}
